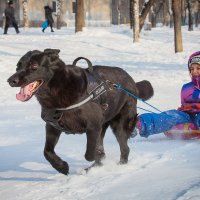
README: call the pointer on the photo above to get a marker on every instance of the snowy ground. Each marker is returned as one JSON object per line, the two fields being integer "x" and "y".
{"x": 158, "y": 168}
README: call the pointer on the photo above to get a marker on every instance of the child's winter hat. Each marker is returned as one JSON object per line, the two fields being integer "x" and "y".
{"x": 194, "y": 58}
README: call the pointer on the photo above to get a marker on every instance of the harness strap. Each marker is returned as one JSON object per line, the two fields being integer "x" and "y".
{"x": 78, "y": 104}
{"x": 95, "y": 93}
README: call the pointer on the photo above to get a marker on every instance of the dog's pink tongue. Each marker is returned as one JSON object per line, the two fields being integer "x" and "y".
{"x": 25, "y": 92}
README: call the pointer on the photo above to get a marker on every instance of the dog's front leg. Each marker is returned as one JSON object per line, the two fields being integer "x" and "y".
{"x": 94, "y": 149}
{"x": 52, "y": 137}
{"x": 91, "y": 145}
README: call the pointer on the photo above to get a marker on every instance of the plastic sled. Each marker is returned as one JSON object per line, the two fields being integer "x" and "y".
{"x": 183, "y": 131}
{"x": 45, "y": 24}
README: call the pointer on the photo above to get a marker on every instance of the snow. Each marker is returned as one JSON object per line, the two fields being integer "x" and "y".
{"x": 158, "y": 168}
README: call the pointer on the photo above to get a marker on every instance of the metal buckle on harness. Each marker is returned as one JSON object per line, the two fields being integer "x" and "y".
{"x": 111, "y": 85}
{"x": 104, "y": 106}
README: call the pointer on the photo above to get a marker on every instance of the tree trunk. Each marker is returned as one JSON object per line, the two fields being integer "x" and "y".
{"x": 114, "y": 12}
{"x": 145, "y": 11}
{"x": 59, "y": 13}
{"x": 131, "y": 14}
{"x": 177, "y": 26}
{"x": 136, "y": 27}
{"x": 168, "y": 12}
{"x": 171, "y": 21}
{"x": 198, "y": 15}
{"x": 169, "y": 5}
{"x": 25, "y": 14}
{"x": 156, "y": 10}
{"x": 190, "y": 18}
{"x": 80, "y": 18}
{"x": 153, "y": 16}
{"x": 183, "y": 12}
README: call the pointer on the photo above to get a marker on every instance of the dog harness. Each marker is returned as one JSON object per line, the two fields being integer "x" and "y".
{"x": 97, "y": 92}
{"x": 96, "y": 88}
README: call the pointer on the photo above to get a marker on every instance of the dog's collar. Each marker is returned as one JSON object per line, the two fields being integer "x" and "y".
{"x": 94, "y": 94}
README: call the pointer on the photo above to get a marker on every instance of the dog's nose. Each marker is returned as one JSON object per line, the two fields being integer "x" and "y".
{"x": 13, "y": 81}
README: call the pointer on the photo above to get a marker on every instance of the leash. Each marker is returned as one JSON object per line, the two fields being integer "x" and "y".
{"x": 119, "y": 87}
{"x": 145, "y": 109}
{"x": 98, "y": 91}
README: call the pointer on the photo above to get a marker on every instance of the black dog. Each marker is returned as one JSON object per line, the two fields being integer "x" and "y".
{"x": 76, "y": 100}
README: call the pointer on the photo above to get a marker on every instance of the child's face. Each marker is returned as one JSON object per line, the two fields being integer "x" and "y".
{"x": 195, "y": 69}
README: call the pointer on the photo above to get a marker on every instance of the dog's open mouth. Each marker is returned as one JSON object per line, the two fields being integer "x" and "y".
{"x": 28, "y": 91}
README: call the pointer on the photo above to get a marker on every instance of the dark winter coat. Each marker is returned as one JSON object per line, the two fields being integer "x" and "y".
{"x": 48, "y": 14}
{"x": 10, "y": 14}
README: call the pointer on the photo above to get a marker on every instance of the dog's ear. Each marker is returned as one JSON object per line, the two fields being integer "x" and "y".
{"x": 53, "y": 53}
{"x": 24, "y": 60}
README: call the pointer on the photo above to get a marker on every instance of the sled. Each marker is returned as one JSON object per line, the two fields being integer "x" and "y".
{"x": 45, "y": 24}
{"x": 183, "y": 131}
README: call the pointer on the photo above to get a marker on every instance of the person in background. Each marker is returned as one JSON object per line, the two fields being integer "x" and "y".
{"x": 48, "y": 17}
{"x": 189, "y": 111}
{"x": 10, "y": 18}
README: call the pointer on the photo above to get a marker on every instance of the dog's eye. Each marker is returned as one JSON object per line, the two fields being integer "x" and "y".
{"x": 34, "y": 67}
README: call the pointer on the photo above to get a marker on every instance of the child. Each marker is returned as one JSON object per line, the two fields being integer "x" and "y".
{"x": 189, "y": 112}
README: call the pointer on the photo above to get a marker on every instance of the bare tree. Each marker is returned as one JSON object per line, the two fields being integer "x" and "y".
{"x": 25, "y": 14}
{"x": 177, "y": 26}
{"x": 160, "y": 6}
{"x": 156, "y": 8}
{"x": 59, "y": 13}
{"x": 145, "y": 11}
{"x": 131, "y": 14}
{"x": 136, "y": 27}
{"x": 170, "y": 13}
{"x": 183, "y": 12}
{"x": 197, "y": 18}
{"x": 190, "y": 19}
{"x": 153, "y": 16}
{"x": 80, "y": 18}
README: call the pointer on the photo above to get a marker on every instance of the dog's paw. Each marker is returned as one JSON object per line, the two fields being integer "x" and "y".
{"x": 89, "y": 157}
{"x": 123, "y": 161}
{"x": 64, "y": 168}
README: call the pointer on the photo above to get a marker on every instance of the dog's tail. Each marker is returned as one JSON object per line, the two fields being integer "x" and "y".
{"x": 145, "y": 90}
